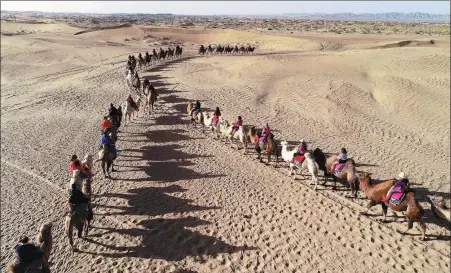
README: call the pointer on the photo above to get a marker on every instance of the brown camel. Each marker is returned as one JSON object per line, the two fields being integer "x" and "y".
{"x": 269, "y": 146}
{"x": 348, "y": 174}
{"x": 376, "y": 193}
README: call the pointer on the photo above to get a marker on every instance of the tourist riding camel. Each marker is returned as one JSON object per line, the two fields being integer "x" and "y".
{"x": 216, "y": 116}
{"x": 105, "y": 124}
{"x": 26, "y": 252}
{"x": 132, "y": 102}
{"x": 75, "y": 164}
{"x": 112, "y": 111}
{"x": 265, "y": 132}
{"x": 396, "y": 193}
{"x": 236, "y": 125}
{"x": 341, "y": 159}
{"x": 196, "y": 109}
{"x": 302, "y": 149}
{"x": 106, "y": 140}
{"x": 79, "y": 203}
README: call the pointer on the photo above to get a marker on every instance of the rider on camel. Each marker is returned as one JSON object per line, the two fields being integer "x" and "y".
{"x": 341, "y": 158}
{"x": 106, "y": 140}
{"x": 112, "y": 112}
{"x": 400, "y": 186}
{"x": 105, "y": 124}
{"x": 302, "y": 149}
{"x": 77, "y": 197}
{"x": 196, "y": 108}
{"x": 27, "y": 253}
{"x": 265, "y": 132}
{"x": 236, "y": 125}
{"x": 216, "y": 116}
{"x": 131, "y": 101}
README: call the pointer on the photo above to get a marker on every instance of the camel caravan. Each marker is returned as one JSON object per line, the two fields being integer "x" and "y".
{"x": 395, "y": 193}
{"x": 228, "y": 50}
{"x": 155, "y": 57}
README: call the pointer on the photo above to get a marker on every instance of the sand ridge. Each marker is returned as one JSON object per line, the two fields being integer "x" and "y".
{"x": 182, "y": 201}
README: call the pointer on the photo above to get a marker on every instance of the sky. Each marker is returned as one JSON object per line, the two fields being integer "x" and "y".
{"x": 229, "y": 7}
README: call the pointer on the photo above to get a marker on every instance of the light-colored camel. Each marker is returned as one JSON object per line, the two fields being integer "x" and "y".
{"x": 198, "y": 119}
{"x": 129, "y": 110}
{"x": 44, "y": 240}
{"x": 312, "y": 167}
{"x": 238, "y": 136}
{"x": 214, "y": 129}
{"x": 133, "y": 82}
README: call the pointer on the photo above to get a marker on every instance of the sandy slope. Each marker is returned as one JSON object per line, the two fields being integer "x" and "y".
{"x": 182, "y": 202}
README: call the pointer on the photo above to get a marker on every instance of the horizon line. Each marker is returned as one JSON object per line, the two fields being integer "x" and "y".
{"x": 278, "y": 14}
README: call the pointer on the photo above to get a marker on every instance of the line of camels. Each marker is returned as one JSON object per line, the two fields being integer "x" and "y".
{"x": 315, "y": 163}
{"x": 155, "y": 57}
{"x": 219, "y": 49}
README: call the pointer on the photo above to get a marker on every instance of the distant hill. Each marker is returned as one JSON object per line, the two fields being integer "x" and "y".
{"x": 390, "y": 16}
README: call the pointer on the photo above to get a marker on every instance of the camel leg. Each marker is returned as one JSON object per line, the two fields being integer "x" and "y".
{"x": 103, "y": 167}
{"x": 371, "y": 204}
{"x": 384, "y": 212}
{"x": 69, "y": 232}
{"x": 423, "y": 227}
{"x": 316, "y": 182}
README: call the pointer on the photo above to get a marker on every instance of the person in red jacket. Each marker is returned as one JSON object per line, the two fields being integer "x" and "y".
{"x": 105, "y": 124}
{"x": 236, "y": 125}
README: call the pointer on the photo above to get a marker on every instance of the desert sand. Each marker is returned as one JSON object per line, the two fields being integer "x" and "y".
{"x": 184, "y": 202}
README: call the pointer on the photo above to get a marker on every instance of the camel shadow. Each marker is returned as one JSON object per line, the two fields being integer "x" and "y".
{"x": 160, "y": 238}
{"x": 162, "y": 136}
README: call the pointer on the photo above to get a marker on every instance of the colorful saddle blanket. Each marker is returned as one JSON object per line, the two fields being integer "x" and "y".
{"x": 214, "y": 121}
{"x": 397, "y": 196}
{"x": 194, "y": 113}
{"x": 261, "y": 142}
{"x": 339, "y": 167}
{"x": 298, "y": 160}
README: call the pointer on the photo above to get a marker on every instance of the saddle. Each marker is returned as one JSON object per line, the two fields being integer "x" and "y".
{"x": 397, "y": 196}
{"x": 261, "y": 141}
{"x": 298, "y": 160}
{"x": 194, "y": 113}
{"x": 339, "y": 167}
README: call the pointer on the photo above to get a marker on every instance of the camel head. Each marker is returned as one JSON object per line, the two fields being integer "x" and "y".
{"x": 284, "y": 143}
{"x": 46, "y": 228}
{"x": 308, "y": 155}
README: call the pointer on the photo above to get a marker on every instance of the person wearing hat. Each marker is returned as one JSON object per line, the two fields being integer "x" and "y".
{"x": 400, "y": 186}
{"x": 341, "y": 158}
{"x": 301, "y": 151}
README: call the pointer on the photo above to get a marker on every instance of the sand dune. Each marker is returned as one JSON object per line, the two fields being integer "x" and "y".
{"x": 183, "y": 201}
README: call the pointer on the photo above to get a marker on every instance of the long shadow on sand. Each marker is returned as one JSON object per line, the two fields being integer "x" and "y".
{"x": 161, "y": 238}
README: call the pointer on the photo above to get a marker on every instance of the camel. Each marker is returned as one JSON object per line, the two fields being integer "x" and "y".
{"x": 199, "y": 118}
{"x": 214, "y": 129}
{"x": 44, "y": 241}
{"x": 376, "y": 193}
{"x": 75, "y": 219}
{"x": 151, "y": 98}
{"x": 129, "y": 110}
{"x": 239, "y": 135}
{"x": 440, "y": 209}
{"x": 347, "y": 173}
{"x": 269, "y": 146}
{"x": 133, "y": 81}
{"x": 320, "y": 158}
{"x": 288, "y": 157}
{"x": 202, "y": 50}
{"x": 312, "y": 167}
{"x": 107, "y": 157}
